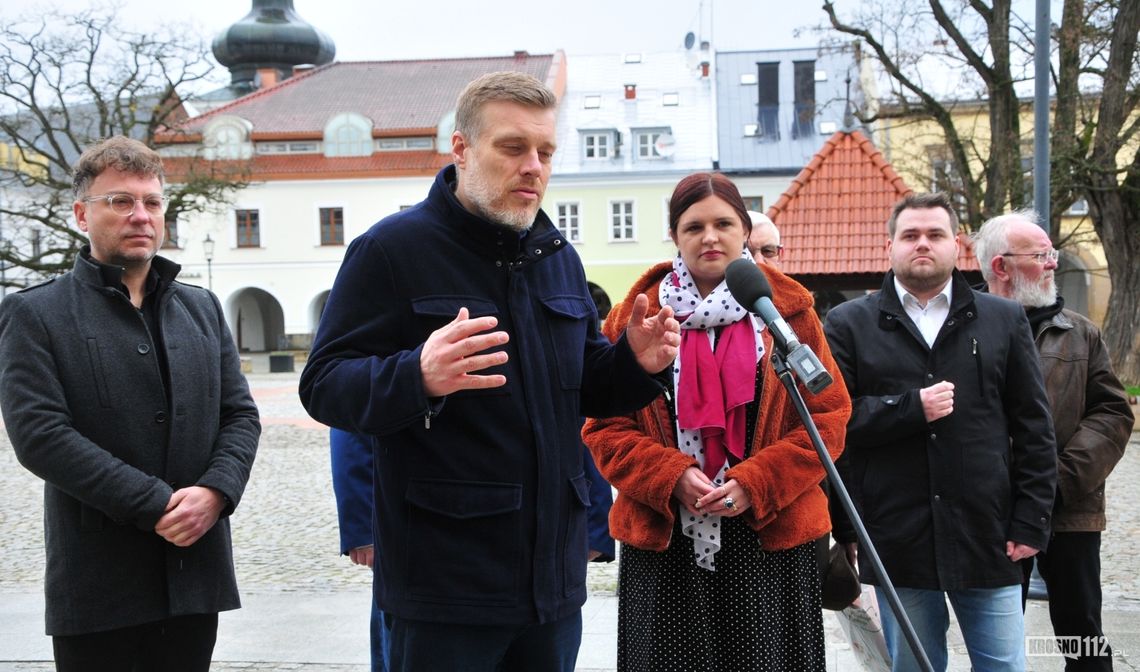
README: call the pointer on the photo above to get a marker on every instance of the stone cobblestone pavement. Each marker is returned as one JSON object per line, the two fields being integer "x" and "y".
{"x": 285, "y": 541}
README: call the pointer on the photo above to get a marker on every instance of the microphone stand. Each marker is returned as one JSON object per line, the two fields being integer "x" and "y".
{"x": 784, "y": 373}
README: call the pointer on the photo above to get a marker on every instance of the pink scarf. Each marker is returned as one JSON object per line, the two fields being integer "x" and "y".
{"x": 714, "y": 389}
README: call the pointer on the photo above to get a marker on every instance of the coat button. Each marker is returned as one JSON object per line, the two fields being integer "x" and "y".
{"x": 930, "y": 376}
{"x": 938, "y": 498}
{"x": 160, "y": 417}
{"x": 933, "y": 436}
{"x": 144, "y": 348}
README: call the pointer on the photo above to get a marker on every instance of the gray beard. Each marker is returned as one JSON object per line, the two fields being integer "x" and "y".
{"x": 483, "y": 196}
{"x": 1032, "y": 294}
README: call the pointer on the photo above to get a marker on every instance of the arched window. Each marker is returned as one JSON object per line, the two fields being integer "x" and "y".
{"x": 227, "y": 137}
{"x": 348, "y": 134}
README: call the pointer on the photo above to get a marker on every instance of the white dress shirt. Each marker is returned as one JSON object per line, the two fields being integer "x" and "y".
{"x": 929, "y": 317}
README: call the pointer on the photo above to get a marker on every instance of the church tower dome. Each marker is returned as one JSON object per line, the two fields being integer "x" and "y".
{"x": 271, "y": 36}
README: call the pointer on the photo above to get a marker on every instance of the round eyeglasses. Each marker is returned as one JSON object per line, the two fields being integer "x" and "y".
{"x": 124, "y": 204}
{"x": 771, "y": 251}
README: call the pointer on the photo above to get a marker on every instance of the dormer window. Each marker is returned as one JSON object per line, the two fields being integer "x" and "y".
{"x": 227, "y": 137}
{"x": 348, "y": 134}
{"x": 652, "y": 143}
{"x": 599, "y": 145}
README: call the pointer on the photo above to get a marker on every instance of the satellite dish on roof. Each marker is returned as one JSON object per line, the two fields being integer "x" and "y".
{"x": 666, "y": 145}
{"x": 690, "y": 40}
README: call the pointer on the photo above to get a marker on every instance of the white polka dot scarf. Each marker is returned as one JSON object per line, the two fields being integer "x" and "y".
{"x": 678, "y": 291}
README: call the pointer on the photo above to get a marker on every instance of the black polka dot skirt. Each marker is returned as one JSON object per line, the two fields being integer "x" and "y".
{"x": 757, "y": 612}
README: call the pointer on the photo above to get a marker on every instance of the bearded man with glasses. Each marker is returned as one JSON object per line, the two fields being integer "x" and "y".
{"x": 1091, "y": 418}
{"x": 122, "y": 389}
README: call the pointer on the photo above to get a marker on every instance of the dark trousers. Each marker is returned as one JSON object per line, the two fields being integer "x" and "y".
{"x": 179, "y": 644}
{"x": 1071, "y": 570}
{"x": 419, "y": 646}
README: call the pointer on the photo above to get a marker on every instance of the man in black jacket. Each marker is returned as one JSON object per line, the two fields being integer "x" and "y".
{"x": 121, "y": 388}
{"x": 950, "y": 449}
{"x": 1091, "y": 418}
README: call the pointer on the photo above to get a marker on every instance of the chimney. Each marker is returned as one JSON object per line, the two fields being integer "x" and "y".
{"x": 266, "y": 77}
{"x": 631, "y": 91}
{"x": 704, "y": 69}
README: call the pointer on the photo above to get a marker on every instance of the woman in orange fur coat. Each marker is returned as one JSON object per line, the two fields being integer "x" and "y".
{"x": 719, "y": 499}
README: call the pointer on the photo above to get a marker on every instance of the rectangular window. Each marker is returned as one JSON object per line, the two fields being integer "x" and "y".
{"x": 332, "y": 226}
{"x": 754, "y": 203}
{"x": 568, "y": 222}
{"x": 171, "y": 224}
{"x": 646, "y": 142}
{"x": 1079, "y": 208}
{"x": 803, "y": 124}
{"x": 621, "y": 220}
{"x": 768, "y": 101}
{"x": 595, "y": 146}
{"x": 248, "y": 228}
{"x": 946, "y": 178}
{"x": 37, "y": 244}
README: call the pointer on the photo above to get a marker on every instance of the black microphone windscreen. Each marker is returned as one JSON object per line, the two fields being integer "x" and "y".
{"x": 746, "y": 282}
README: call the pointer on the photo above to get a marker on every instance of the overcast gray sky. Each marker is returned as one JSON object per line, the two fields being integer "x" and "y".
{"x": 397, "y": 29}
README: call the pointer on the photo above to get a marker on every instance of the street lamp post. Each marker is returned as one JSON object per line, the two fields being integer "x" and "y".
{"x": 208, "y": 246}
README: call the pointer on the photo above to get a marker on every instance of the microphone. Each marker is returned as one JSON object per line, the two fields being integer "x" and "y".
{"x": 749, "y": 286}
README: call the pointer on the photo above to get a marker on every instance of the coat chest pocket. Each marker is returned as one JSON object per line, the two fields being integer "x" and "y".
{"x": 568, "y": 319}
{"x": 435, "y": 312}
{"x": 98, "y": 374}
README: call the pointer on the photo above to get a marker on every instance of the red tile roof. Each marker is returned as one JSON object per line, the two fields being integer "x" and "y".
{"x": 833, "y": 218}
{"x": 400, "y": 97}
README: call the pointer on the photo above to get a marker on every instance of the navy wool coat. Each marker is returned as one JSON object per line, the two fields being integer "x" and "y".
{"x": 480, "y": 496}
{"x": 85, "y": 408}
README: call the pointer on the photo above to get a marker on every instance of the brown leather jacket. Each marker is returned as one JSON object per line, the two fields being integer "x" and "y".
{"x": 1092, "y": 420}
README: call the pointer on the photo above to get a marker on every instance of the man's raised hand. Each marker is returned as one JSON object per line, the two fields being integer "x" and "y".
{"x": 654, "y": 340}
{"x": 454, "y": 351}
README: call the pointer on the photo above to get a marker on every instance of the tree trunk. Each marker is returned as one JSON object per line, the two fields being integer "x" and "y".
{"x": 1115, "y": 205}
{"x": 1122, "y": 325}
{"x": 1115, "y": 211}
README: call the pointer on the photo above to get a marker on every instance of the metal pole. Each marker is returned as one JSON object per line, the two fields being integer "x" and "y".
{"x": 1041, "y": 116}
{"x": 208, "y": 248}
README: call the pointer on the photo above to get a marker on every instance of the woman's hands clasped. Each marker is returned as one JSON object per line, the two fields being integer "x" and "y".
{"x": 698, "y": 495}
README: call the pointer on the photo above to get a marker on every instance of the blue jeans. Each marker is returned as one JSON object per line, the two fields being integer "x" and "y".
{"x": 990, "y": 618}
{"x": 420, "y": 646}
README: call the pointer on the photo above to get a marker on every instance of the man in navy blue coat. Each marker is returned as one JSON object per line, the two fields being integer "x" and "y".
{"x": 351, "y": 457}
{"x": 461, "y": 335}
